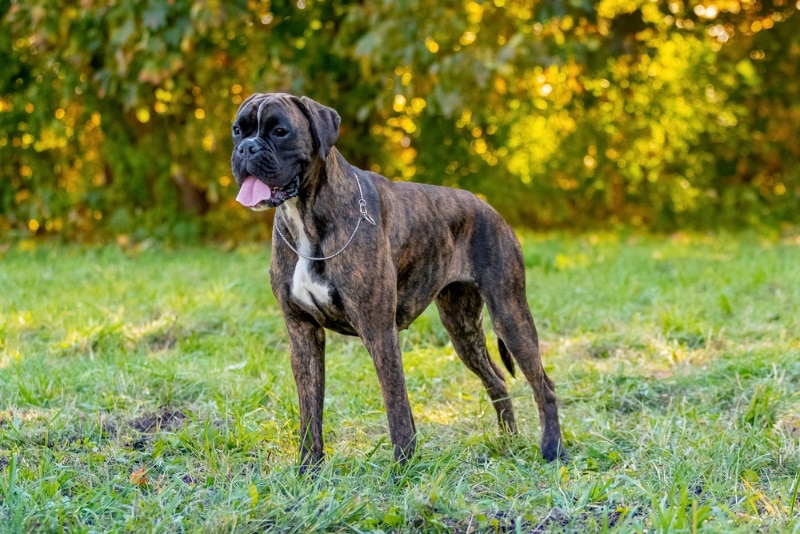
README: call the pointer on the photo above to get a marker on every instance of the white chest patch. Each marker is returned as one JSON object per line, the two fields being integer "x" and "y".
{"x": 305, "y": 288}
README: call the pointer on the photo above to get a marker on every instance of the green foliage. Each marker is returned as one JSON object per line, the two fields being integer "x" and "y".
{"x": 149, "y": 389}
{"x": 114, "y": 117}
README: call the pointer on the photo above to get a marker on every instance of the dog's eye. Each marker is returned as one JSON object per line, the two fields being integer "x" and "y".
{"x": 280, "y": 132}
{"x": 236, "y": 130}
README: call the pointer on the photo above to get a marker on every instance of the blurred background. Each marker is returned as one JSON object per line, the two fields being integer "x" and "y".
{"x": 115, "y": 116}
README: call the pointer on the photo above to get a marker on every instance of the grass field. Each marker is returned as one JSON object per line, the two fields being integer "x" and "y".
{"x": 149, "y": 389}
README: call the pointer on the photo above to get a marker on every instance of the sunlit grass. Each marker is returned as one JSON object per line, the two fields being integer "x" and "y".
{"x": 151, "y": 390}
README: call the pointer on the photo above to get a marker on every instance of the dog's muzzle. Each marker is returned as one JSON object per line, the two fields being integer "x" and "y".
{"x": 260, "y": 167}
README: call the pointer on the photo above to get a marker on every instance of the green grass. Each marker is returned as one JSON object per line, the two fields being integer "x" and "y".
{"x": 150, "y": 390}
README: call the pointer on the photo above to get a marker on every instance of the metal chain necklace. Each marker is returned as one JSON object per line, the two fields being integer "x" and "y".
{"x": 363, "y": 216}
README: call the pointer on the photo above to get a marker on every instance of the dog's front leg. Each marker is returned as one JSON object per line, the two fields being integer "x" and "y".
{"x": 307, "y": 342}
{"x": 384, "y": 347}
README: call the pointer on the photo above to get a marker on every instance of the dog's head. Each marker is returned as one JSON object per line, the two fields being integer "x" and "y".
{"x": 275, "y": 138}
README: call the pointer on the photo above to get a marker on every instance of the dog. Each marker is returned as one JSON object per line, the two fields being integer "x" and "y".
{"x": 358, "y": 254}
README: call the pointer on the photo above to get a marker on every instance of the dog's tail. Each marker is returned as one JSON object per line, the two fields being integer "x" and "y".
{"x": 508, "y": 361}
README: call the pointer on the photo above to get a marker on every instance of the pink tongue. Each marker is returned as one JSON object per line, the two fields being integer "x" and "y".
{"x": 253, "y": 191}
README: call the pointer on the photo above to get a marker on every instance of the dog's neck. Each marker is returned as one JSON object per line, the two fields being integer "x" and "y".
{"x": 330, "y": 186}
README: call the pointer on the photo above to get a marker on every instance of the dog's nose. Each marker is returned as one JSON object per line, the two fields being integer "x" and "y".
{"x": 248, "y": 146}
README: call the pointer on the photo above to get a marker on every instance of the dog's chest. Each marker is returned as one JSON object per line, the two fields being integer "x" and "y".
{"x": 307, "y": 288}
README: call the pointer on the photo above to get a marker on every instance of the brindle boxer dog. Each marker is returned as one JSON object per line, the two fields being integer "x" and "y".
{"x": 360, "y": 255}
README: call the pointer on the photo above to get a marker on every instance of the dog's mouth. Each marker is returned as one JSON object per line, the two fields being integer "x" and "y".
{"x": 258, "y": 196}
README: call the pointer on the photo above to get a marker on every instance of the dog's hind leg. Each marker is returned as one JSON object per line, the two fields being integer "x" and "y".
{"x": 461, "y": 310}
{"x": 514, "y": 326}
{"x": 500, "y": 279}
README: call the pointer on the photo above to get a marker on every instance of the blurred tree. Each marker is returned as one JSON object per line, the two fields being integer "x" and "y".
{"x": 115, "y": 116}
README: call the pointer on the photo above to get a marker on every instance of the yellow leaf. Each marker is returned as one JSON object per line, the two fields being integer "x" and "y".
{"x": 139, "y": 477}
{"x": 253, "y": 491}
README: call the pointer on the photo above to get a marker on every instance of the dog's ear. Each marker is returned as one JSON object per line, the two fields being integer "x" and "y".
{"x": 323, "y": 121}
